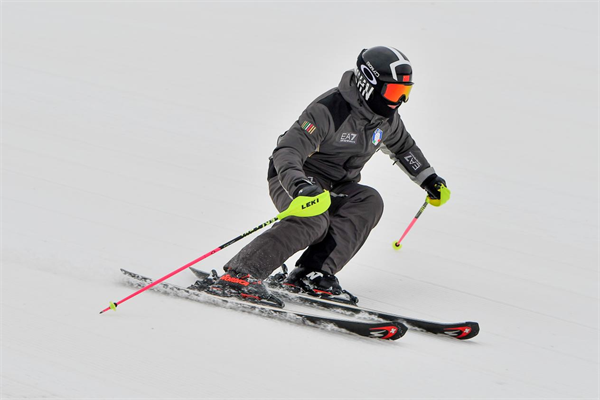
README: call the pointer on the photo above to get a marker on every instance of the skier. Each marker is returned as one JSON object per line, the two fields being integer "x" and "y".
{"x": 326, "y": 148}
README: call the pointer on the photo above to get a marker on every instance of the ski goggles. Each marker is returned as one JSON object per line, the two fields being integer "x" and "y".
{"x": 394, "y": 91}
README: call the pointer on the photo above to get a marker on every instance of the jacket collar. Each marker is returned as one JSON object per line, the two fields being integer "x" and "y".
{"x": 349, "y": 92}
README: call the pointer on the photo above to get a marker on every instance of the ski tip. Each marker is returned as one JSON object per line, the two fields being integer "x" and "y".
{"x": 465, "y": 331}
{"x": 474, "y": 330}
{"x": 390, "y": 331}
{"x": 402, "y": 330}
{"x": 396, "y": 245}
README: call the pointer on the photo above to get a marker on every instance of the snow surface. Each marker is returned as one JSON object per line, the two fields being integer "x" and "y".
{"x": 136, "y": 135}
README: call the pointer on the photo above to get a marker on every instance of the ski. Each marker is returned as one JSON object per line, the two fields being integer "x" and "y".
{"x": 387, "y": 330}
{"x": 460, "y": 330}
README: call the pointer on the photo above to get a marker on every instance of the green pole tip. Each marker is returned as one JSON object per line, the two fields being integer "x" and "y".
{"x": 396, "y": 245}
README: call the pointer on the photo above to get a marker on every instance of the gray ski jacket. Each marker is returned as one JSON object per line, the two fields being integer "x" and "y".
{"x": 335, "y": 137}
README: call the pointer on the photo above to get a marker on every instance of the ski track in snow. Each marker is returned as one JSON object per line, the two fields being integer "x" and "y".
{"x": 136, "y": 135}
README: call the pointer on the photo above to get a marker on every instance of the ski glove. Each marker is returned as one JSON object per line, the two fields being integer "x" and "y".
{"x": 306, "y": 188}
{"x": 437, "y": 192}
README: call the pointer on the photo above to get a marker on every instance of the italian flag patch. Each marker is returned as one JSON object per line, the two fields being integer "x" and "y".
{"x": 308, "y": 127}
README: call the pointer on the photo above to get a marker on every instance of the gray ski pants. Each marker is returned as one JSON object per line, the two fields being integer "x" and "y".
{"x": 332, "y": 238}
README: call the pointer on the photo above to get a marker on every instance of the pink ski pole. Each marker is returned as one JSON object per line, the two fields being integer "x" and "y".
{"x": 301, "y": 206}
{"x": 397, "y": 244}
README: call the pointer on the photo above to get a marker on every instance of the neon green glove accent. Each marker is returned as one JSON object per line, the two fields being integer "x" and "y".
{"x": 444, "y": 197}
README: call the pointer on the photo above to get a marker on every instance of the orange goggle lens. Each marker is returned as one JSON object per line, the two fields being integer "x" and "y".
{"x": 394, "y": 91}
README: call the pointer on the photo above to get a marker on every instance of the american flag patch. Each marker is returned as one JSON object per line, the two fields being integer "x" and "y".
{"x": 308, "y": 127}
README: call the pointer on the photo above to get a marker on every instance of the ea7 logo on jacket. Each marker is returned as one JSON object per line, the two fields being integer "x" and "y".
{"x": 348, "y": 138}
{"x": 412, "y": 161}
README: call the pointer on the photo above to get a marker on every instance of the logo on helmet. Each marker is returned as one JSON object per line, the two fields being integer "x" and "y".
{"x": 373, "y": 69}
{"x": 364, "y": 87}
{"x": 367, "y": 73}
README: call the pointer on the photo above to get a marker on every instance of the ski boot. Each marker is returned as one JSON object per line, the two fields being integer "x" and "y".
{"x": 315, "y": 283}
{"x": 242, "y": 285}
{"x": 327, "y": 286}
{"x": 322, "y": 282}
{"x": 294, "y": 282}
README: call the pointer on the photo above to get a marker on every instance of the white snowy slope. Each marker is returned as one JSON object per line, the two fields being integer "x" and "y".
{"x": 136, "y": 135}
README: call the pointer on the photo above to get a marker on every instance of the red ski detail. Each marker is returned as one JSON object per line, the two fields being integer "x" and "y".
{"x": 231, "y": 279}
{"x": 464, "y": 329}
{"x": 250, "y": 296}
{"x": 322, "y": 291}
{"x": 391, "y": 331}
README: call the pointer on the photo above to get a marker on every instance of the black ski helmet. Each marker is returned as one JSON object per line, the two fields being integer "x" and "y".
{"x": 383, "y": 77}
